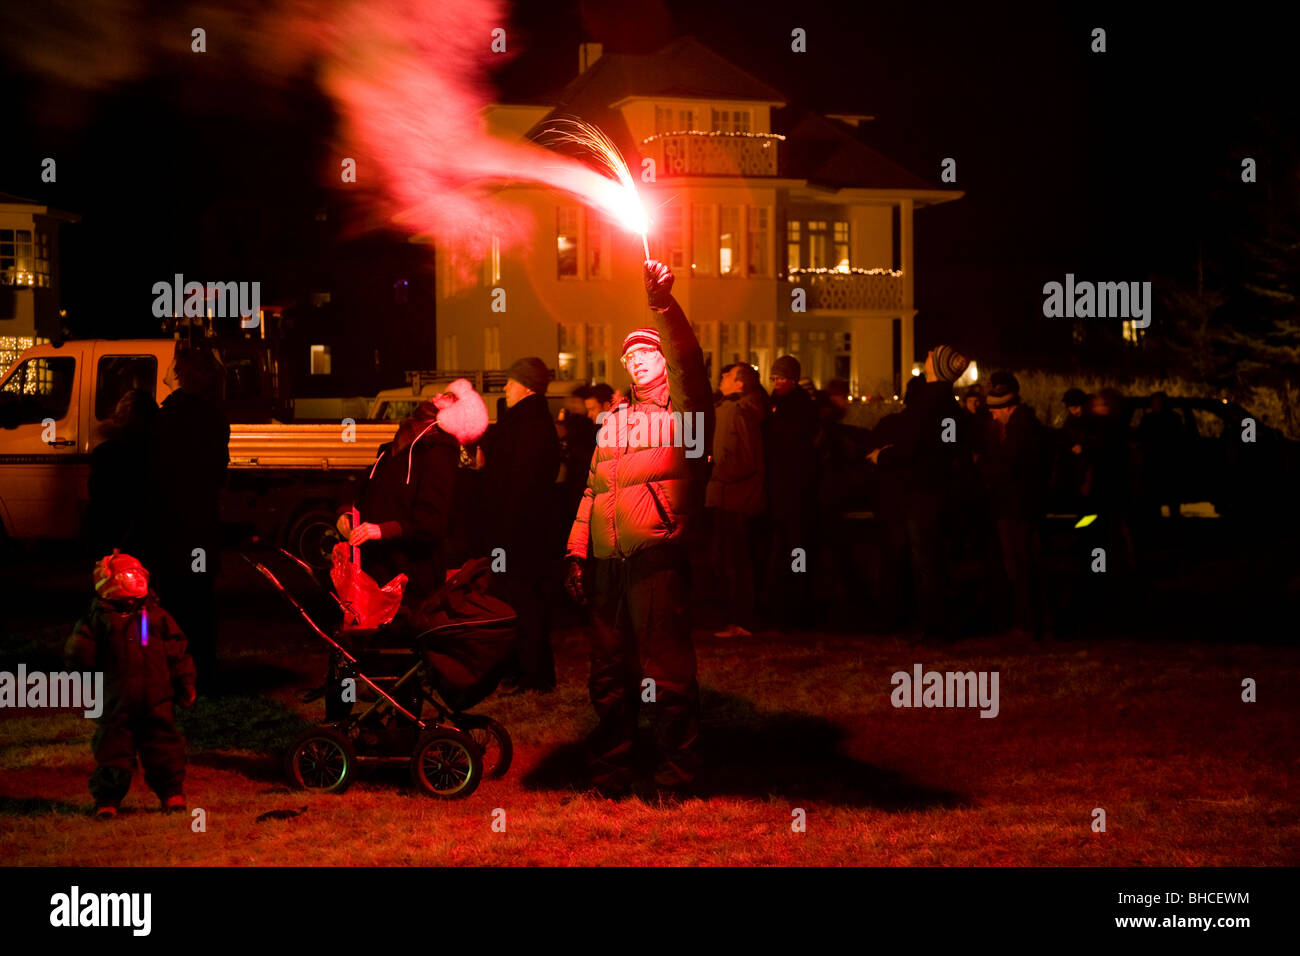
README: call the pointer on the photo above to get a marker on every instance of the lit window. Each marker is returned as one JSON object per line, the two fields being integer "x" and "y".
{"x": 492, "y": 347}
{"x": 793, "y": 260}
{"x": 668, "y": 237}
{"x": 704, "y": 239}
{"x": 818, "y": 245}
{"x": 17, "y": 262}
{"x": 729, "y": 241}
{"x": 842, "y": 246}
{"x": 320, "y": 360}
{"x": 757, "y": 223}
{"x": 566, "y": 242}
{"x": 597, "y": 247}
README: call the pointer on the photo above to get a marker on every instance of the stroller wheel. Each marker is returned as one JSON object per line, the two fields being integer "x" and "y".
{"x": 321, "y": 759}
{"x": 492, "y": 739}
{"x": 447, "y": 764}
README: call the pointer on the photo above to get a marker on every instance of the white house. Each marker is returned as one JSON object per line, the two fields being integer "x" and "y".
{"x": 751, "y": 218}
{"x": 29, "y": 274}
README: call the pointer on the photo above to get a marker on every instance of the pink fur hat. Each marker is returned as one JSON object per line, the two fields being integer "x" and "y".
{"x": 461, "y": 412}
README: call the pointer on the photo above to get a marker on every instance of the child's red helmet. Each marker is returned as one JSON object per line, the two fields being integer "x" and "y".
{"x": 119, "y": 577}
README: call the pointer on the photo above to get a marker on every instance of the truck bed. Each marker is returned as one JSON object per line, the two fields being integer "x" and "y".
{"x": 316, "y": 447}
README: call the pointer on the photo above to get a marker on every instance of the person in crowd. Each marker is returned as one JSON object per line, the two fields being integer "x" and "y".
{"x": 128, "y": 636}
{"x": 628, "y": 549}
{"x": 405, "y": 502}
{"x": 119, "y": 476}
{"x": 790, "y": 445}
{"x": 1015, "y": 462}
{"x": 1162, "y": 438}
{"x": 972, "y": 400}
{"x": 599, "y": 399}
{"x": 843, "y": 476}
{"x": 916, "y": 453}
{"x": 1108, "y": 481}
{"x": 189, "y": 451}
{"x": 735, "y": 493}
{"x": 521, "y": 456}
{"x": 1071, "y": 468}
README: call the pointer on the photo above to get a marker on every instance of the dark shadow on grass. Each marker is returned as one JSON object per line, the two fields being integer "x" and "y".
{"x": 39, "y": 806}
{"x": 748, "y": 753}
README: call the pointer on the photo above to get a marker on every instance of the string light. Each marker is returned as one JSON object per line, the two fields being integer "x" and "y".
{"x": 768, "y": 137}
{"x": 892, "y": 273}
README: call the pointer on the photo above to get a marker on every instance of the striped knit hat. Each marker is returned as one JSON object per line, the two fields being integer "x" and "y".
{"x": 949, "y": 363}
{"x": 642, "y": 338}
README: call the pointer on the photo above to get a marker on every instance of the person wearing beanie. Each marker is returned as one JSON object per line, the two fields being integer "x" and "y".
{"x": 405, "y": 501}
{"x": 945, "y": 364}
{"x": 1016, "y": 464}
{"x": 627, "y": 548}
{"x": 790, "y": 445}
{"x": 531, "y": 373}
{"x": 128, "y": 636}
{"x": 521, "y": 459}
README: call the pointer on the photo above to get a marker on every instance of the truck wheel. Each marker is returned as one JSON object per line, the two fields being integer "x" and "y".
{"x": 312, "y": 537}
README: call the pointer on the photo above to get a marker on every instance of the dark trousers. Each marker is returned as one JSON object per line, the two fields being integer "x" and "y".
{"x": 733, "y": 561}
{"x": 641, "y": 629}
{"x": 149, "y": 732}
{"x": 523, "y": 587}
{"x": 1020, "y": 544}
{"x": 788, "y": 592}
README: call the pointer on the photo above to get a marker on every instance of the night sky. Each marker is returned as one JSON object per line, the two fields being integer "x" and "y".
{"x": 1114, "y": 166}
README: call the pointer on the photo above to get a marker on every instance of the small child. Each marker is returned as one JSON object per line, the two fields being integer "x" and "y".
{"x": 147, "y": 669}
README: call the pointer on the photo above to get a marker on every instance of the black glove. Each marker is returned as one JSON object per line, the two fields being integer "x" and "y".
{"x": 658, "y": 285}
{"x": 573, "y": 582}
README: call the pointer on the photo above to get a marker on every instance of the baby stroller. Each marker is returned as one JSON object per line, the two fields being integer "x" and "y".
{"x": 425, "y": 670}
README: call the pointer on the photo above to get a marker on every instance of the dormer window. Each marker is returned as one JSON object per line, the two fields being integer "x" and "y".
{"x": 670, "y": 119}
{"x": 731, "y": 121}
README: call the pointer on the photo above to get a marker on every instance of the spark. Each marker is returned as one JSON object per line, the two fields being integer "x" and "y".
{"x": 619, "y": 198}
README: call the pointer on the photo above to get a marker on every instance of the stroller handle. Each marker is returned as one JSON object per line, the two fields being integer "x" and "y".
{"x": 266, "y": 572}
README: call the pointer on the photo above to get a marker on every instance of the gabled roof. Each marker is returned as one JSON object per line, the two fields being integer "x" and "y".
{"x": 819, "y": 150}
{"x": 683, "y": 68}
{"x": 38, "y": 208}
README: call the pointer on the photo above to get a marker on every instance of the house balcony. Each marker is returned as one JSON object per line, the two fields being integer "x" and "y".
{"x": 876, "y": 290}
{"x": 713, "y": 154}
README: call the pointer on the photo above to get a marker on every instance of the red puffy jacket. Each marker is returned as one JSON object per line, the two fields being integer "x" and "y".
{"x": 646, "y": 485}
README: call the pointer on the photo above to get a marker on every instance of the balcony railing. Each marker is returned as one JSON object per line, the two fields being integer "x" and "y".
{"x": 713, "y": 154}
{"x": 864, "y": 290}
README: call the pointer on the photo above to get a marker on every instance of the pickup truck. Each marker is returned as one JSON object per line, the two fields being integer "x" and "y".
{"x": 284, "y": 480}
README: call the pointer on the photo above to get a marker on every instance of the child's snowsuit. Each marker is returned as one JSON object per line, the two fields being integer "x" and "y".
{"x": 143, "y": 676}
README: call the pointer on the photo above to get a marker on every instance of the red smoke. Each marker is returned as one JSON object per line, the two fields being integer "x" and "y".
{"x": 409, "y": 79}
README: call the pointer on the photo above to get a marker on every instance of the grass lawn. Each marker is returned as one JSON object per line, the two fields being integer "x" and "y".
{"x": 1156, "y": 734}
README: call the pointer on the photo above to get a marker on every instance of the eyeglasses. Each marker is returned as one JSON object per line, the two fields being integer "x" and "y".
{"x": 636, "y": 355}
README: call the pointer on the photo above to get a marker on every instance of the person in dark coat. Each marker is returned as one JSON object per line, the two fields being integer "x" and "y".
{"x": 1162, "y": 438}
{"x": 406, "y": 501}
{"x": 790, "y": 447}
{"x": 189, "y": 451}
{"x": 129, "y": 637}
{"x": 521, "y": 457}
{"x": 735, "y": 494}
{"x": 119, "y": 486}
{"x": 916, "y": 454}
{"x": 628, "y": 549}
{"x": 1015, "y": 462}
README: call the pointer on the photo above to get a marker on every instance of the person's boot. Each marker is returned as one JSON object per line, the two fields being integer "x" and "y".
{"x": 174, "y": 804}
